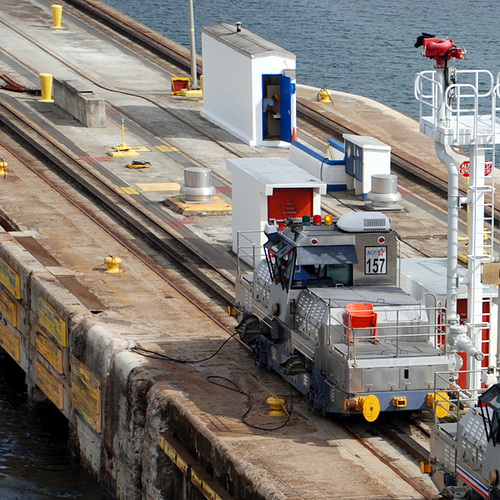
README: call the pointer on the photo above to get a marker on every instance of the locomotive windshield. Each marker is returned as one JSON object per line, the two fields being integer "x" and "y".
{"x": 317, "y": 275}
{"x": 308, "y": 267}
{"x": 490, "y": 408}
{"x": 324, "y": 266}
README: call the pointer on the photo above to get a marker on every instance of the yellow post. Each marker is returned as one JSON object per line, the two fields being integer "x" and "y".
{"x": 3, "y": 167}
{"x": 57, "y": 17}
{"x": 46, "y": 82}
{"x": 113, "y": 264}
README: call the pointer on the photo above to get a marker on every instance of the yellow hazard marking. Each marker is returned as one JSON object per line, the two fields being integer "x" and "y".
{"x": 49, "y": 384}
{"x": 50, "y": 350}
{"x": 10, "y": 342}
{"x": 10, "y": 279}
{"x": 159, "y": 186}
{"x": 127, "y": 190}
{"x": 217, "y": 205}
{"x": 86, "y": 393}
{"x": 166, "y": 149}
{"x": 8, "y": 308}
{"x": 53, "y": 322}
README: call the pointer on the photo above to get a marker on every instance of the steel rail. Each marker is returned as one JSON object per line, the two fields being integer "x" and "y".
{"x": 121, "y": 207}
{"x": 388, "y": 461}
{"x": 173, "y": 52}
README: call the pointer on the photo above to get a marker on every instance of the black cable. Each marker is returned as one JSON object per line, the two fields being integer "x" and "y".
{"x": 147, "y": 353}
{"x": 158, "y": 355}
{"x": 233, "y": 386}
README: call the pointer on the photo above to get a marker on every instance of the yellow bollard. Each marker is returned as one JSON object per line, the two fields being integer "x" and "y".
{"x": 277, "y": 405}
{"x": 113, "y": 264}
{"x": 324, "y": 96}
{"x": 3, "y": 167}
{"x": 46, "y": 82}
{"x": 57, "y": 17}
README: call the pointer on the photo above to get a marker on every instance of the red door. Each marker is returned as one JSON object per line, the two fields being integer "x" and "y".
{"x": 290, "y": 202}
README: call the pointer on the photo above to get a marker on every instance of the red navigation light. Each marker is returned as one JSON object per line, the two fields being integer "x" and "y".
{"x": 441, "y": 50}
{"x": 317, "y": 220}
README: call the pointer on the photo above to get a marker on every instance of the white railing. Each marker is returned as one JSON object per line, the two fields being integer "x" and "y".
{"x": 428, "y": 92}
{"x": 248, "y": 253}
{"x": 395, "y": 328}
{"x": 466, "y": 104}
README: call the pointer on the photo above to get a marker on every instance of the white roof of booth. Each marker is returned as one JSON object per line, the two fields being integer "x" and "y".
{"x": 246, "y": 42}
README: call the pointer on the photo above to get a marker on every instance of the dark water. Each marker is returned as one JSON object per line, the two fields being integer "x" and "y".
{"x": 34, "y": 460}
{"x": 359, "y": 46}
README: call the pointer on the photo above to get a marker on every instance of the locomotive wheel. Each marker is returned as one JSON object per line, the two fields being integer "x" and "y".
{"x": 249, "y": 329}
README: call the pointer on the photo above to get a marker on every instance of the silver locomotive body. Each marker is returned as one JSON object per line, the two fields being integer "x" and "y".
{"x": 464, "y": 457}
{"x": 323, "y": 309}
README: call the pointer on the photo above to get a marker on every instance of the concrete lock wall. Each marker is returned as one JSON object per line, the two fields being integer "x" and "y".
{"x": 79, "y": 102}
{"x": 47, "y": 331}
{"x": 122, "y": 411}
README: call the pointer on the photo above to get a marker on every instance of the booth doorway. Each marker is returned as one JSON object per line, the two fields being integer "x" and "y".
{"x": 279, "y": 125}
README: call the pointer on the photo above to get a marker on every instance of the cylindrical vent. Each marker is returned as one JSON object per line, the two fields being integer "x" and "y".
{"x": 385, "y": 183}
{"x": 384, "y": 193}
{"x": 197, "y": 184}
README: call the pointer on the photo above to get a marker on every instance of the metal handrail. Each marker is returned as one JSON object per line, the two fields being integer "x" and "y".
{"x": 246, "y": 251}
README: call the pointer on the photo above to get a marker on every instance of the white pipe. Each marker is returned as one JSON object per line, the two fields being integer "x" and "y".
{"x": 452, "y": 316}
{"x": 194, "y": 75}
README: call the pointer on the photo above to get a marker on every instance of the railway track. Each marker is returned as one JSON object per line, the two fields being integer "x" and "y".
{"x": 151, "y": 228}
{"x": 392, "y": 441}
{"x": 310, "y": 117}
{"x": 131, "y": 215}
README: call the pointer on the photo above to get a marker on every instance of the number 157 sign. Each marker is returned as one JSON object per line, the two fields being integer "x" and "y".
{"x": 375, "y": 260}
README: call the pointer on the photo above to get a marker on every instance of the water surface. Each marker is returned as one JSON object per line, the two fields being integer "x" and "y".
{"x": 364, "y": 46}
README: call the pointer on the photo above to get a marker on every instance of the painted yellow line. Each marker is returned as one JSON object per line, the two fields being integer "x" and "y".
{"x": 166, "y": 149}
{"x": 159, "y": 186}
{"x": 127, "y": 190}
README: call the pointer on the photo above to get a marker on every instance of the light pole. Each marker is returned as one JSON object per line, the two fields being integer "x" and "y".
{"x": 194, "y": 77}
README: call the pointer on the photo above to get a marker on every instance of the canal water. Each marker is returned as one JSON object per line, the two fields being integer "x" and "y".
{"x": 364, "y": 47}
{"x": 34, "y": 460}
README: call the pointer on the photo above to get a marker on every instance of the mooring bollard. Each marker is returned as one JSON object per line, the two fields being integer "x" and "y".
{"x": 57, "y": 17}
{"x": 46, "y": 83}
